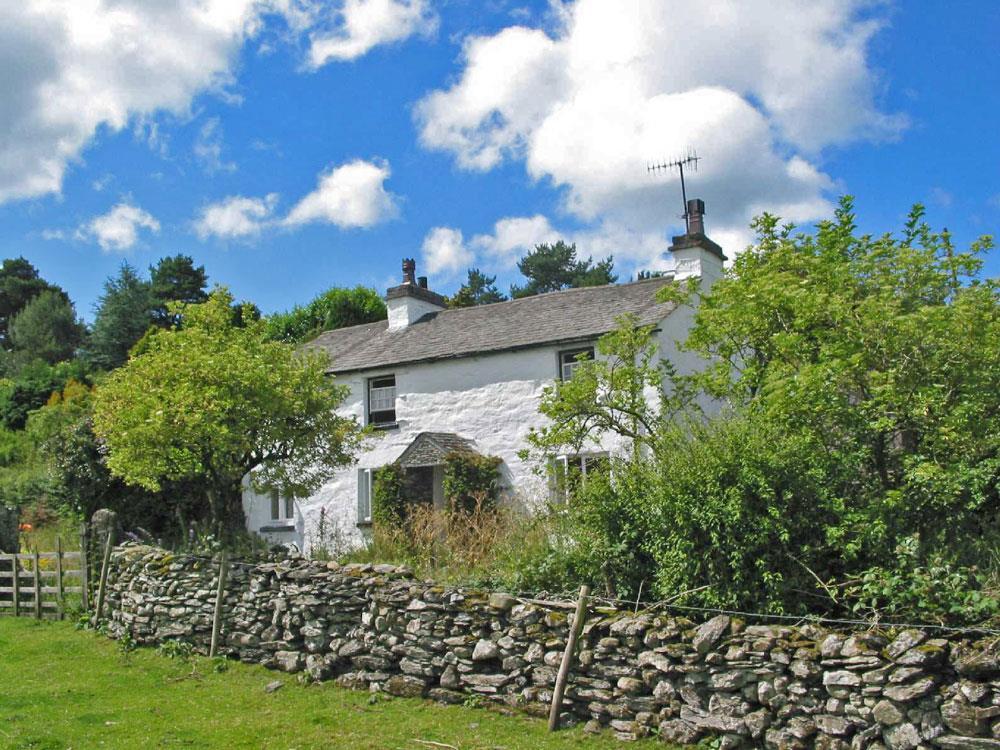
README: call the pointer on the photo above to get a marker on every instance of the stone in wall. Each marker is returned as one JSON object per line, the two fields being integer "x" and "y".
{"x": 375, "y": 627}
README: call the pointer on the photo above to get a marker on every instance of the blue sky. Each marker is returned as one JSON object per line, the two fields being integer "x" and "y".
{"x": 293, "y": 145}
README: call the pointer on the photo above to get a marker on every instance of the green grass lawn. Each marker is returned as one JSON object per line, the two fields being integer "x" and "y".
{"x": 64, "y": 688}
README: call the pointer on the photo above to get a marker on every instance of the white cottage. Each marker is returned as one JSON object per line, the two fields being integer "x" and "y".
{"x": 433, "y": 380}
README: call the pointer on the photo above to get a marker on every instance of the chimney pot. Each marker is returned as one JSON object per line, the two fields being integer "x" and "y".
{"x": 409, "y": 270}
{"x": 696, "y": 216}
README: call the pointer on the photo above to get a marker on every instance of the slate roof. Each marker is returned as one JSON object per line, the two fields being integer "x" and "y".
{"x": 570, "y": 315}
{"x": 430, "y": 449}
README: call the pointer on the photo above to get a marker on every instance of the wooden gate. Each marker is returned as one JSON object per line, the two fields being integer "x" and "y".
{"x": 42, "y": 584}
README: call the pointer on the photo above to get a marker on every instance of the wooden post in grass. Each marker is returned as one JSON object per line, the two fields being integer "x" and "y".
{"x": 16, "y": 572}
{"x": 567, "y": 660}
{"x": 84, "y": 568}
{"x": 101, "y": 592}
{"x": 60, "y": 592}
{"x": 220, "y": 598}
{"x": 38, "y": 585}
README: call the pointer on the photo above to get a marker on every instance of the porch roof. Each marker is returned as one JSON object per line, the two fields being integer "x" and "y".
{"x": 430, "y": 449}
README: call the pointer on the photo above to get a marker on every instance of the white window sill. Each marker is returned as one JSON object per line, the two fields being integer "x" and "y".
{"x": 277, "y": 528}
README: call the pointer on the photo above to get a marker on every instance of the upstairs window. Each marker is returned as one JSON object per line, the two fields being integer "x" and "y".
{"x": 571, "y": 359}
{"x": 382, "y": 401}
{"x": 282, "y": 508}
{"x": 567, "y": 473}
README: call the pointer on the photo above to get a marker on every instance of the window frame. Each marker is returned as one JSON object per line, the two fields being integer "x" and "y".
{"x": 567, "y": 358}
{"x": 277, "y": 507}
{"x": 365, "y": 482}
{"x": 370, "y": 413}
{"x": 559, "y": 488}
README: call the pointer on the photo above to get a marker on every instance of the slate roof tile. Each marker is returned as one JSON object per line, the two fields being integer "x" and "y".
{"x": 570, "y": 315}
{"x": 431, "y": 449}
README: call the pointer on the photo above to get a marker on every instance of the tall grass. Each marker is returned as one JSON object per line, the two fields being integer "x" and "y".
{"x": 41, "y": 533}
{"x": 483, "y": 546}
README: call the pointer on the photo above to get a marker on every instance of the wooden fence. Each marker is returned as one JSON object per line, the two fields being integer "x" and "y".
{"x": 38, "y": 583}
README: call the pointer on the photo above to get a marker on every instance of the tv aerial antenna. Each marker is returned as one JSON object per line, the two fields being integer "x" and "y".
{"x": 691, "y": 162}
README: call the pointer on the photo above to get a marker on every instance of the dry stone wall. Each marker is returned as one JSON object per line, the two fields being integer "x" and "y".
{"x": 375, "y": 627}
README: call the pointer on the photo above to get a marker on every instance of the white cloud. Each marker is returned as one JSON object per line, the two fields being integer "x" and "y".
{"x": 236, "y": 217}
{"x": 118, "y": 229}
{"x": 364, "y": 24}
{"x": 74, "y": 67}
{"x": 208, "y": 148}
{"x": 759, "y": 88}
{"x": 102, "y": 182}
{"x": 515, "y": 236}
{"x": 445, "y": 252}
{"x": 351, "y": 195}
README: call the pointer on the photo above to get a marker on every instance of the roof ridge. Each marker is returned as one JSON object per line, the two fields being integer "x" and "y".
{"x": 541, "y": 295}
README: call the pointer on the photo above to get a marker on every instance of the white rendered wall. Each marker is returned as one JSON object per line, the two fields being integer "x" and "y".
{"x": 491, "y": 400}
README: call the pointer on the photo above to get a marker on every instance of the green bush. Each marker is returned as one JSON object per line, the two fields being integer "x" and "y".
{"x": 388, "y": 499}
{"x": 334, "y": 308}
{"x": 31, "y": 387}
{"x": 939, "y": 590}
{"x": 857, "y": 376}
{"x": 471, "y": 480}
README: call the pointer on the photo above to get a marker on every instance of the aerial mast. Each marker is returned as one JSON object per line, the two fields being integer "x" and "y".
{"x": 691, "y": 162}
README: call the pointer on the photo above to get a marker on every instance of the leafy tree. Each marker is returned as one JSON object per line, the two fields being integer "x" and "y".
{"x": 335, "y": 308}
{"x": 855, "y": 377}
{"x": 24, "y": 476}
{"x": 79, "y": 480}
{"x": 124, "y": 313}
{"x": 883, "y": 351}
{"x": 175, "y": 279}
{"x": 47, "y": 328}
{"x": 31, "y": 388}
{"x": 549, "y": 268}
{"x": 611, "y": 394}
{"x": 479, "y": 289}
{"x": 19, "y": 284}
{"x": 212, "y": 402}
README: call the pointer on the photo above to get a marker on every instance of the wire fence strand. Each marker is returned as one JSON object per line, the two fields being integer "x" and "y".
{"x": 565, "y": 599}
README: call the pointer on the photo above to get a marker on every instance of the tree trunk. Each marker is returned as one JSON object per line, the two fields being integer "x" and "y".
{"x": 225, "y": 502}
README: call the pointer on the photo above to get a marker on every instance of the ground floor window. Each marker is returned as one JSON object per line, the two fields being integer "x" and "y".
{"x": 365, "y": 496}
{"x": 282, "y": 508}
{"x": 568, "y": 472}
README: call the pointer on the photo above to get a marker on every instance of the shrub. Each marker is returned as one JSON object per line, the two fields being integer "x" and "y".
{"x": 388, "y": 501}
{"x": 471, "y": 480}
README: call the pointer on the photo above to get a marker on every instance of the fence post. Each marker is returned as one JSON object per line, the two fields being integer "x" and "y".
{"x": 84, "y": 568}
{"x": 59, "y": 578}
{"x": 101, "y": 592}
{"x": 38, "y": 585}
{"x": 17, "y": 585}
{"x": 220, "y": 597}
{"x": 567, "y": 660}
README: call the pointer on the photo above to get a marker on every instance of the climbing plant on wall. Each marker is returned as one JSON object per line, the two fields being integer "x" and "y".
{"x": 471, "y": 480}
{"x": 388, "y": 497}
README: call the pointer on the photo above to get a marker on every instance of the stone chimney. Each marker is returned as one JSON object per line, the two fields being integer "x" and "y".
{"x": 694, "y": 253}
{"x": 411, "y": 300}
